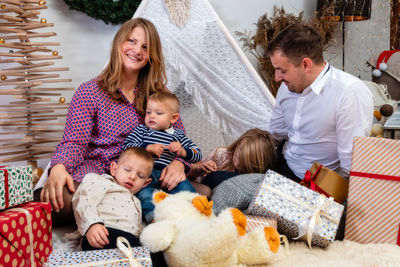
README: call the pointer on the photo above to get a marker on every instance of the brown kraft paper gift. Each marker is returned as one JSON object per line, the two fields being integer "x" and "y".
{"x": 325, "y": 181}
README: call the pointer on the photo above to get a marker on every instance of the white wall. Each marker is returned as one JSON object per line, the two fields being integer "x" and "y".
{"x": 85, "y": 42}
{"x": 241, "y": 16}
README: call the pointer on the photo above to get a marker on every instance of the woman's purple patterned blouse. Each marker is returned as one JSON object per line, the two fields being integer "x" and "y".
{"x": 95, "y": 130}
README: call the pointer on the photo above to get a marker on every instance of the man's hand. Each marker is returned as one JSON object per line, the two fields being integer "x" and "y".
{"x": 156, "y": 149}
{"x": 53, "y": 188}
{"x": 172, "y": 175}
{"x": 97, "y": 235}
{"x": 177, "y": 148}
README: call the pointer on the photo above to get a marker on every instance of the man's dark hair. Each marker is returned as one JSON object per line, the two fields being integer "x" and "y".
{"x": 298, "y": 41}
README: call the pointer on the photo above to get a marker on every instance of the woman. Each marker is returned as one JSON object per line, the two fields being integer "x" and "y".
{"x": 104, "y": 111}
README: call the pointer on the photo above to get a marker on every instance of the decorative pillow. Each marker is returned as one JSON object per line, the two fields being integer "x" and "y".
{"x": 236, "y": 192}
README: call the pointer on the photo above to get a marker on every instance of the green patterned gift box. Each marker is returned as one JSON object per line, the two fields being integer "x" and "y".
{"x": 16, "y": 185}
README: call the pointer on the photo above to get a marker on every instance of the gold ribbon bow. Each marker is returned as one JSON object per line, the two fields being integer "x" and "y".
{"x": 322, "y": 203}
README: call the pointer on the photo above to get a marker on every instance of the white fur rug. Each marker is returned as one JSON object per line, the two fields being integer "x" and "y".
{"x": 339, "y": 253}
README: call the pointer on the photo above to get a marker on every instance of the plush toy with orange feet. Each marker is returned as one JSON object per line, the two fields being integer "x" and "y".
{"x": 188, "y": 232}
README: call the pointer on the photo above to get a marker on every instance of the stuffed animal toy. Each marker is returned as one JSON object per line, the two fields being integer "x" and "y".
{"x": 188, "y": 232}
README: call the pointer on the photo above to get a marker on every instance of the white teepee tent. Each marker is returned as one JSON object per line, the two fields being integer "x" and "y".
{"x": 222, "y": 95}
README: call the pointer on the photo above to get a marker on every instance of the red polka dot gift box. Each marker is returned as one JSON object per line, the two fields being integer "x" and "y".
{"x": 25, "y": 234}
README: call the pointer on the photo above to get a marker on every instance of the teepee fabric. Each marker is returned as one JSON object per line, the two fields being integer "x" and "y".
{"x": 207, "y": 68}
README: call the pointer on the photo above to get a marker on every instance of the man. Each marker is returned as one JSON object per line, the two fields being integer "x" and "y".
{"x": 319, "y": 109}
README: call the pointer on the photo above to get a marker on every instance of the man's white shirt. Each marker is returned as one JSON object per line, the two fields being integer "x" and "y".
{"x": 320, "y": 123}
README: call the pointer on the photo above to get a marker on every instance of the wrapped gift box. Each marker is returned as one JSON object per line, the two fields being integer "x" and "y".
{"x": 295, "y": 207}
{"x": 25, "y": 234}
{"x": 15, "y": 186}
{"x": 373, "y": 204}
{"x": 325, "y": 181}
{"x": 103, "y": 257}
{"x": 255, "y": 221}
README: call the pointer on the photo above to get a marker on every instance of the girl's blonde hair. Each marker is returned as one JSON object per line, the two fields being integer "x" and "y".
{"x": 257, "y": 152}
{"x": 152, "y": 77}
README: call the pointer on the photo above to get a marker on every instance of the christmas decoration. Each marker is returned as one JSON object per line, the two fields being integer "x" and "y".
{"x": 381, "y": 64}
{"x": 110, "y": 11}
{"x": 29, "y": 125}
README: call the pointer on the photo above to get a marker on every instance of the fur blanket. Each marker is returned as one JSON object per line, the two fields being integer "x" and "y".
{"x": 339, "y": 253}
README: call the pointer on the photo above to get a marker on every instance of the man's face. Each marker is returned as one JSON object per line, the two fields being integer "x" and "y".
{"x": 285, "y": 70}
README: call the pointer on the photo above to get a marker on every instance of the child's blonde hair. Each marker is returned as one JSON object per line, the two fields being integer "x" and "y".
{"x": 166, "y": 97}
{"x": 138, "y": 151}
{"x": 257, "y": 152}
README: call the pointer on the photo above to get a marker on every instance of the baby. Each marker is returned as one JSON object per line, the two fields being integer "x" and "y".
{"x": 164, "y": 142}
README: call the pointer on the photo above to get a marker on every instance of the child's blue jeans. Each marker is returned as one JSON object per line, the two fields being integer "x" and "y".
{"x": 146, "y": 194}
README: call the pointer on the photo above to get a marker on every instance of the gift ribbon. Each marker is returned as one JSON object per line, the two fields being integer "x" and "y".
{"x": 308, "y": 181}
{"x": 398, "y": 237}
{"x": 7, "y": 196}
{"x": 30, "y": 233}
{"x": 322, "y": 202}
{"x": 285, "y": 241}
{"x": 375, "y": 176}
{"x": 125, "y": 248}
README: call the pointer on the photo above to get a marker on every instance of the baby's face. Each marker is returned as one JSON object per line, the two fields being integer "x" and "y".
{"x": 159, "y": 116}
{"x": 132, "y": 172}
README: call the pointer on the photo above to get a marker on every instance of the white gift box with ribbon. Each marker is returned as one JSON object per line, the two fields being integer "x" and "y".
{"x": 300, "y": 212}
{"x": 124, "y": 255}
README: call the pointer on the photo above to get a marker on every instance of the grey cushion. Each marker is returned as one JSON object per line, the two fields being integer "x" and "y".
{"x": 236, "y": 192}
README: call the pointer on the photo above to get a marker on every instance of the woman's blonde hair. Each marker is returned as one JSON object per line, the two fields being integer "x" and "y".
{"x": 257, "y": 152}
{"x": 152, "y": 77}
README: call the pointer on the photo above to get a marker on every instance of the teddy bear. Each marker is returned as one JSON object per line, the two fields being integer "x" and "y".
{"x": 190, "y": 234}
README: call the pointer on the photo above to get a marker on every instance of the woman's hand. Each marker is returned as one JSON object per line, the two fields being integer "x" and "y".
{"x": 172, "y": 175}
{"x": 53, "y": 188}
{"x": 97, "y": 235}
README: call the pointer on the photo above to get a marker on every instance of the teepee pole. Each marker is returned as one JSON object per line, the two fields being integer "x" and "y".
{"x": 241, "y": 55}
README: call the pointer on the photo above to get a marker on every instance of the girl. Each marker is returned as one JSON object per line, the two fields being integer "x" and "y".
{"x": 253, "y": 152}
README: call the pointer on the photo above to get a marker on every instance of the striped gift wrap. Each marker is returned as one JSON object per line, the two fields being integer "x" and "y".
{"x": 256, "y": 221}
{"x": 373, "y": 212}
